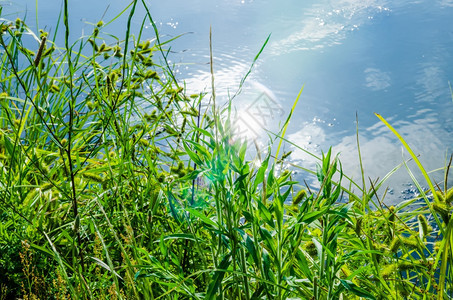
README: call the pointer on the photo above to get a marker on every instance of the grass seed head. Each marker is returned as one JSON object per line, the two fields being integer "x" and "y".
{"x": 18, "y": 23}
{"x": 43, "y": 33}
{"x": 388, "y": 270}
{"x": 440, "y": 196}
{"x": 410, "y": 242}
{"x": 425, "y": 229}
{"x": 449, "y": 196}
{"x": 443, "y": 211}
{"x": 93, "y": 177}
{"x": 299, "y": 197}
{"x": 54, "y": 88}
{"x": 93, "y": 44}
{"x": 404, "y": 266}
{"x": 395, "y": 245}
{"x": 392, "y": 213}
{"x": 310, "y": 247}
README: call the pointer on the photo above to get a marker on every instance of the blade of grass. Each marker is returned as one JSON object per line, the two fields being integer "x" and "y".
{"x": 412, "y": 154}
{"x": 285, "y": 126}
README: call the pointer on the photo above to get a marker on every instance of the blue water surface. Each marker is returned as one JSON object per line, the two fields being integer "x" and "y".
{"x": 353, "y": 57}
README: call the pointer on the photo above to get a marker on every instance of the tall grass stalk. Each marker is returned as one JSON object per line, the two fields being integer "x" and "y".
{"x": 114, "y": 184}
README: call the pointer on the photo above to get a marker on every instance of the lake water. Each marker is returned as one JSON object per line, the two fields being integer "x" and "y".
{"x": 351, "y": 56}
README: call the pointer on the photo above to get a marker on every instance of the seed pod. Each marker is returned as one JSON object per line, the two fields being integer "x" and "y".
{"x": 388, "y": 270}
{"x": 184, "y": 122}
{"x": 93, "y": 44}
{"x": 392, "y": 213}
{"x": 102, "y": 47}
{"x": 310, "y": 247}
{"x": 48, "y": 51}
{"x": 285, "y": 173}
{"x": 18, "y": 22}
{"x": 395, "y": 245}
{"x": 43, "y": 168}
{"x": 46, "y": 187}
{"x": 191, "y": 112}
{"x": 117, "y": 127}
{"x": 437, "y": 245}
{"x": 54, "y": 88}
{"x": 440, "y": 196}
{"x": 43, "y": 33}
{"x": 135, "y": 86}
{"x": 100, "y": 23}
{"x": 144, "y": 45}
{"x": 443, "y": 210}
{"x": 170, "y": 130}
{"x": 161, "y": 178}
{"x": 404, "y": 266}
{"x": 149, "y": 50}
{"x": 40, "y": 51}
{"x": 3, "y": 28}
{"x": 346, "y": 272}
{"x": 31, "y": 195}
{"x": 148, "y": 62}
{"x": 93, "y": 177}
{"x": 403, "y": 291}
{"x": 424, "y": 228}
{"x": 141, "y": 56}
{"x": 449, "y": 196}
{"x": 358, "y": 227}
{"x": 112, "y": 154}
{"x": 299, "y": 197}
{"x": 151, "y": 74}
{"x": 144, "y": 142}
{"x": 285, "y": 155}
{"x": 410, "y": 242}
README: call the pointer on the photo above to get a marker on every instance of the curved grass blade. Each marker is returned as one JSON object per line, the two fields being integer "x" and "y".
{"x": 414, "y": 157}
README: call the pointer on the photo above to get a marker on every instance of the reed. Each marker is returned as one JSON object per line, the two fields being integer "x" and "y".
{"x": 113, "y": 184}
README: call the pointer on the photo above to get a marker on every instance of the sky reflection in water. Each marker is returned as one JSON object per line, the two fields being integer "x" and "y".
{"x": 353, "y": 56}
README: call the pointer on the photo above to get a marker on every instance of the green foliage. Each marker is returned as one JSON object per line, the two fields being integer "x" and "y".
{"x": 113, "y": 185}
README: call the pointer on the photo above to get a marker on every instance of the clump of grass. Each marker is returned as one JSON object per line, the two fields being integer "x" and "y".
{"x": 113, "y": 176}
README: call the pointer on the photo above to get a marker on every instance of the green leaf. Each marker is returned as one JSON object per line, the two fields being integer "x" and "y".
{"x": 105, "y": 266}
{"x": 260, "y": 175}
{"x": 265, "y": 214}
{"x": 193, "y": 156}
{"x": 204, "y": 132}
{"x": 251, "y": 249}
{"x": 218, "y": 277}
{"x": 350, "y": 286}
{"x": 312, "y": 216}
{"x": 162, "y": 246}
{"x": 180, "y": 236}
{"x": 268, "y": 240}
{"x": 200, "y": 215}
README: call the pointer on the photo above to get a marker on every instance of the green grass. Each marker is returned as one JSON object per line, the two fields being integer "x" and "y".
{"x": 113, "y": 184}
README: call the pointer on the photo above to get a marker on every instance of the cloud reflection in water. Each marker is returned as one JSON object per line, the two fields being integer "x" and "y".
{"x": 381, "y": 151}
{"x": 327, "y": 23}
